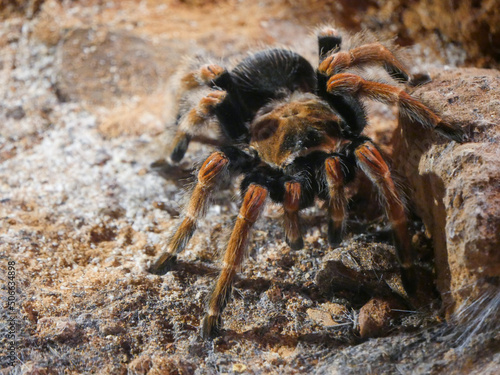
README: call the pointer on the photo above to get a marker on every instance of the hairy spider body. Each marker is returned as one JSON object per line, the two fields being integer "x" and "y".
{"x": 295, "y": 135}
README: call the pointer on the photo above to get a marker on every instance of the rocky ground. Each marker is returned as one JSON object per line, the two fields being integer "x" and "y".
{"x": 88, "y": 200}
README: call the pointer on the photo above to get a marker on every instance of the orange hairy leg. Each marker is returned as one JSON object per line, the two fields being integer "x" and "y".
{"x": 253, "y": 203}
{"x": 409, "y": 107}
{"x": 213, "y": 166}
{"x": 210, "y": 72}
{"x": 190, "y": 122}
{"x": 194, "y": 121}
{"x": 201, "y": 76}
{"x": 373, "y": 53}
{"x": 337, "y": 203}
{"x": 198, "y": 115}
{"x": 291, "y": 205}
{"x": 371, "y": 162}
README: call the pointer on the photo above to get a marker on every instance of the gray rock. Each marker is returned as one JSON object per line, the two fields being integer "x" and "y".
{"x": 455, "y": 188}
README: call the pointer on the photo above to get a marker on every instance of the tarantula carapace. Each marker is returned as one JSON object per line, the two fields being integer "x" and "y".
{"x": 295, "y": 135}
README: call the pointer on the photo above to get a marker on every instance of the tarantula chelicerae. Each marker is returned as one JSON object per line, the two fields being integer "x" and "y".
{"x": 295, "y": 135}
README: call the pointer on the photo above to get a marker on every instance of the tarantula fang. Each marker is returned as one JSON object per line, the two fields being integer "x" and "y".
{"x": 295, "y": 135}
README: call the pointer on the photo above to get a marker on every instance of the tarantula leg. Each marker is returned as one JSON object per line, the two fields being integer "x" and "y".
{"x": 210, "y": 73}
{"x": 253, "y": 203}
{"x": 291, "y": 204}
{"x": 409, "y": 107}
{"x": 373, "y": 53}
{"x": 329, "y": 39}
{"x": 213, "y": 166}
{"x": 193, "y": 121}
{"x": 374, "y": 166}
{"x": 202, "y": 76}
{"x": 338, "y": 201}
{"x": 181, "y": 142}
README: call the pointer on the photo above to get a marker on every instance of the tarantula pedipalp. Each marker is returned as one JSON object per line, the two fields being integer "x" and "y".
{"x": 295, "y": 135}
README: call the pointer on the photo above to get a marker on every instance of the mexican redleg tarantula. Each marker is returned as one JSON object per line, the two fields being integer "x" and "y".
{"x": 295, "y": 135}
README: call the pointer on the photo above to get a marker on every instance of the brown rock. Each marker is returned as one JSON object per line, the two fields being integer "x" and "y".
{"x": 100, "y": 66}
{"x": 360, "y": 267}
{"x": 321, "y": 317}
{"x": 375, "y": 318}
{"x": 26, "y": 7}
{"x": 456, "y": 187}
{"x": 274, "y": 294}
{"x": 239, "y": 367}
{"x": 327, "y": 314}
{"x": 335, "y": 309}
{"x": 34, "y": 368}
{"x": 433, "y": 23}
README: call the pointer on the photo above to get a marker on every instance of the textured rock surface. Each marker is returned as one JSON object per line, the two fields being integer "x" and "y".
{"x": 82, "y": 212}
{"x": 455, "y": 31}
{"x": 376, "y": 316}
{"x": 452, "y": 31}
{"x": 102, "y": 66}
{"x": 455, "y": 188}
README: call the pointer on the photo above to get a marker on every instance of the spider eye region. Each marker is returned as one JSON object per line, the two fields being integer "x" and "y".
{"x": 265, "y": 129}
{"x": 294, "y": 129}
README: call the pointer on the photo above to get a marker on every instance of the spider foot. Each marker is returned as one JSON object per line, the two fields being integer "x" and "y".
{"x": 345, "y": 83}
{"x": 210, "y": 101}
{"x": 295, "y": 244}
{"x": 210, "y": 327}
{"x": 419, "y": 79}
{"x": 409, "y": 279}
{"x": 209, "y": 73}
{"x": 337, "y": 204}
{"x": 453, "y": 132}
{"x": 163, "y": 264}
{"x": 329, "y": 39}
{"x": 334, "y": 233}
{"x": 181, "y": 142}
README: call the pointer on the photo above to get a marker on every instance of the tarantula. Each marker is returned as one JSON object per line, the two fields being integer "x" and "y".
{"x": 295, "y": 135}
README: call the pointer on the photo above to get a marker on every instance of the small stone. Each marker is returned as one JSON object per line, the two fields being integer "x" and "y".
{"x": 111, "y": 329}
{"x": 375, "y": 318}
{"x": 321, "y": 317}
{"x": 335, "y": 309}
